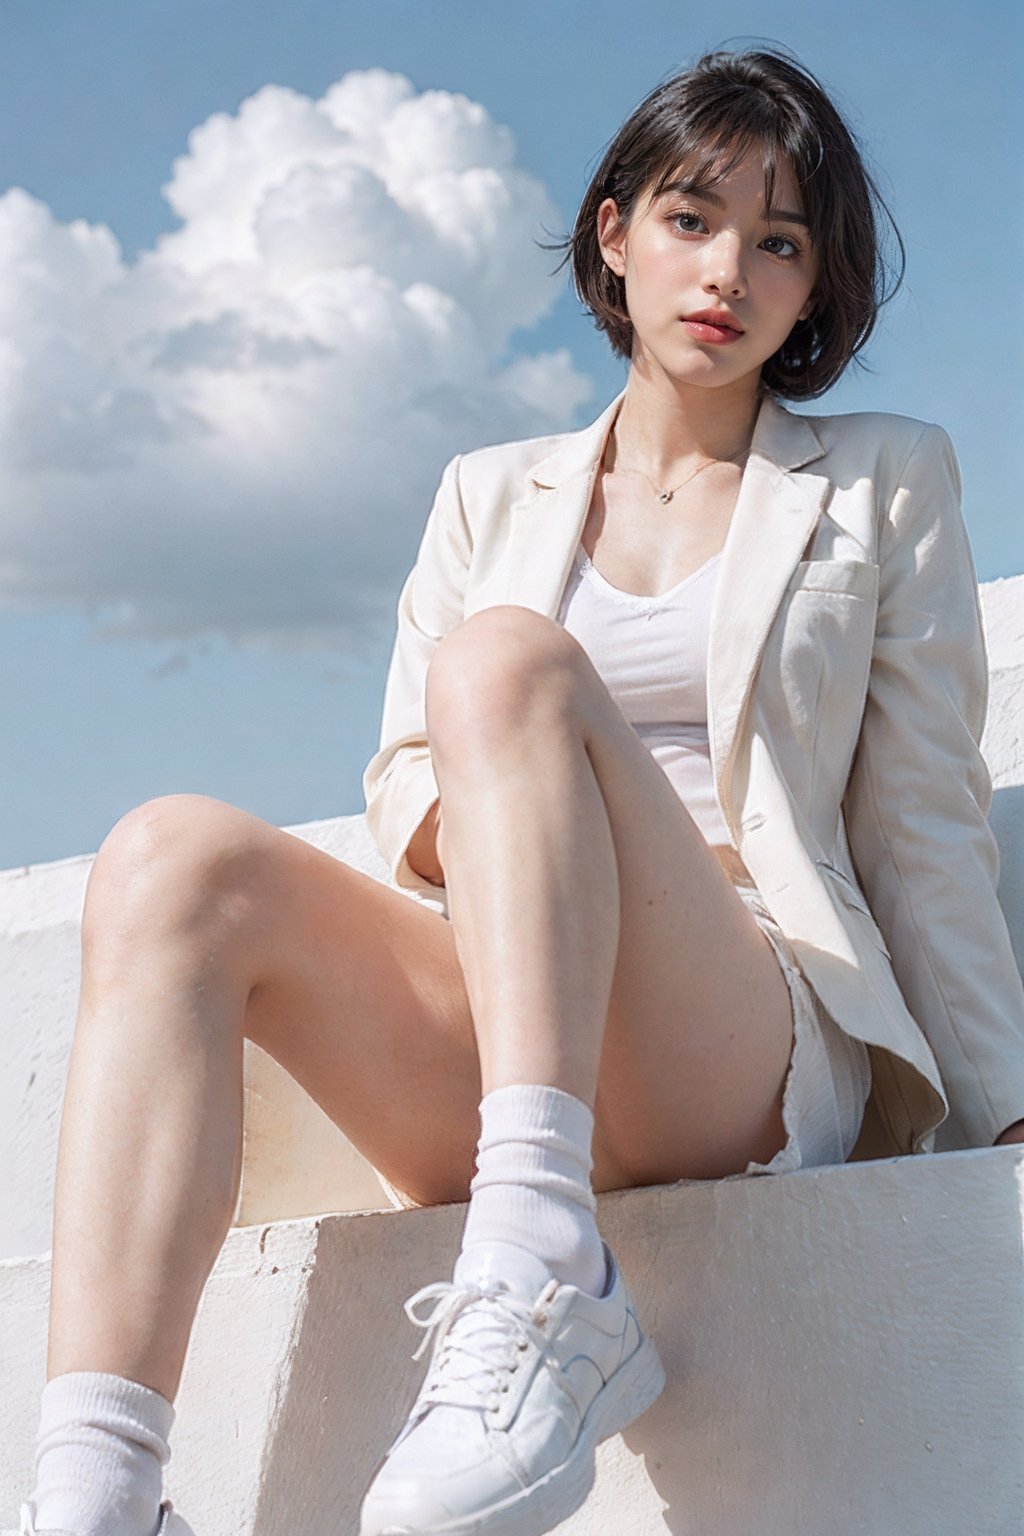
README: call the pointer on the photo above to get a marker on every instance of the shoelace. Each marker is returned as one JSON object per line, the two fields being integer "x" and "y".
{"x": 471, "y": 1365}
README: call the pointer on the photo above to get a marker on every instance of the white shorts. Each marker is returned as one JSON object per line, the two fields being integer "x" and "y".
{"x": 829, "y": 1076}
{"x": 827, "y": 1084}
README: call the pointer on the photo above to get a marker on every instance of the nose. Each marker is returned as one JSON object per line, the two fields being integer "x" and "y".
{"x": 724, "y": 271}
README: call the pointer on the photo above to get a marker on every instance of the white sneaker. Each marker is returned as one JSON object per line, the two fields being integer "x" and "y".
{"x": 171, "y": 1524}
{"x": 526, "y": 1377}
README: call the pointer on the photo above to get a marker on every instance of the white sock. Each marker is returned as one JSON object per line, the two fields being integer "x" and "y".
{"x": 100, "y": 1454}
{"x": 532, "y": 1185}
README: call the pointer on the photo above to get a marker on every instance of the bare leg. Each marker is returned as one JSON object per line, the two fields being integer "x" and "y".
{"x": 607, "y": 958}
{"x": 541, "y": 881}
{"x": 582, "y": 894}
{"x": 204, "y": 924}
{"x": 150, "y": 1150}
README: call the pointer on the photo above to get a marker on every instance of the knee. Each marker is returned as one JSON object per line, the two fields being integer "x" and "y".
{"x": 500, "y": 668}
{"x": 176, "y": 861}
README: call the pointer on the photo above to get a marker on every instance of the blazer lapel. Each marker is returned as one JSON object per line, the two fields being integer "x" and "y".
{"x": 776, "y": 512}
{"x": 775, "y": 515}
{"x": 548, "y": 519}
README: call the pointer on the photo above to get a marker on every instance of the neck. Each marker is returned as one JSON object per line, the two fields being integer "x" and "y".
{"x": 664, "y": 426}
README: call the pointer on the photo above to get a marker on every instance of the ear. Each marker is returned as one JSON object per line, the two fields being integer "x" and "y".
{"x": 808, "y": 309}
{"x": 611, "y": 236}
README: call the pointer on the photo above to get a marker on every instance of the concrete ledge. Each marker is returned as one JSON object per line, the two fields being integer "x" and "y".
{"x": 844, "y": 1346}
{"x": 237, "y": 1371}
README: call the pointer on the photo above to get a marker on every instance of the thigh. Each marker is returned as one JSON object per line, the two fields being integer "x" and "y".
{"x": 358, "y": 993}
{"x": 699, "y": 1032}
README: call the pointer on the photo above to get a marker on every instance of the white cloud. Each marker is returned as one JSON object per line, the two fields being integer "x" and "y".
{"x": 241, "y": 431}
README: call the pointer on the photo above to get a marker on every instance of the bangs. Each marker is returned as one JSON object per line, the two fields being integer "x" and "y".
{"x": 699, "y": 164}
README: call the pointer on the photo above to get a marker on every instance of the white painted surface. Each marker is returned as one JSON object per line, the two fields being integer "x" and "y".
{"x": 844, "y": 1348}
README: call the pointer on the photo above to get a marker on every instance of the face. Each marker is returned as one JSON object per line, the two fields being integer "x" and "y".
{"x": 719, "y": 249}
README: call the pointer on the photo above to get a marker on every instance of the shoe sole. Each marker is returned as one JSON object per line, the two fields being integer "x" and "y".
{"x": 629, "y": 1393}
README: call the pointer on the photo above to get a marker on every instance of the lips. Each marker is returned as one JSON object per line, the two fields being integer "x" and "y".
{"x": 717, "y": 317}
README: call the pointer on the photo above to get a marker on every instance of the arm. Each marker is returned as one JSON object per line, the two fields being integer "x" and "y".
{"x": 918, "y": 798}
{"x": 402, "y": 802}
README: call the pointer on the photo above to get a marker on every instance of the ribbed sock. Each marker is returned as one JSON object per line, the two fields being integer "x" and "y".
{"x": 100, "y": 1454}
{"x": 532, "y": 1185}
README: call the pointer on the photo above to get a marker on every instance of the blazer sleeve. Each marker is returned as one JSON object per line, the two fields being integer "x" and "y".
{"x": 398, "y": 783}
{"x": 917, "y": 802}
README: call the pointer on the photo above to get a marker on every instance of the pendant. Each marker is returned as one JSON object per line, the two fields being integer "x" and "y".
{"x": 664, "y": 496}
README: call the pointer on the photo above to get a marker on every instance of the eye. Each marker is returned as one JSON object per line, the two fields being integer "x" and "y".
{"x": 685, "y": 213}
{"x": 789, "y": 255}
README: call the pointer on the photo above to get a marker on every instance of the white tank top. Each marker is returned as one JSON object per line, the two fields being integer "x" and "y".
{"x": 651, "y": 653}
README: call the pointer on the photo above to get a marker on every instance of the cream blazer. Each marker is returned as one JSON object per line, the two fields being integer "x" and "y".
{"x": 847, "y": 689}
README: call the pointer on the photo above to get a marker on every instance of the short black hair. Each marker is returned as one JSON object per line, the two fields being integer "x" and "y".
{"x": 704, "y": 121}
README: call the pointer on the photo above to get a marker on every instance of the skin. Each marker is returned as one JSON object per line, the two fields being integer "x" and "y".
{"x": 633, "y": 976}
{"x": 687, "y": 400}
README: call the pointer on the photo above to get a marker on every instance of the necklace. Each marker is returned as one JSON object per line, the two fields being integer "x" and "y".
{"x": 666, "y": 495}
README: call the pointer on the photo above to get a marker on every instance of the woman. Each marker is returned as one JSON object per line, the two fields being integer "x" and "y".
{"x": 700, "y": 690}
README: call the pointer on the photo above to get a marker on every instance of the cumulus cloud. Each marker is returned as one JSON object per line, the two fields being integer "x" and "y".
{"x": 240, "y": 431}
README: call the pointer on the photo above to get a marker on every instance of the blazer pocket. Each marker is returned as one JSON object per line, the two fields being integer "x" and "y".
{"x": 853, "y": 578}
{"x": 815, "y": 663}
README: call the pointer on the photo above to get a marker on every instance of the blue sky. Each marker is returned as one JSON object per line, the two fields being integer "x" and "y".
{"x": 183, "y": 609}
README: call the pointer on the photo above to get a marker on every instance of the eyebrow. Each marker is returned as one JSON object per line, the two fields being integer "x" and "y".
{"x": 694, "y": 189}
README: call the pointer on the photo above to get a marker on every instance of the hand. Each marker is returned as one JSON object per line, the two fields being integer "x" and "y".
{"x": 1012, "y": 1136}
{"x": 425, "y": 849}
